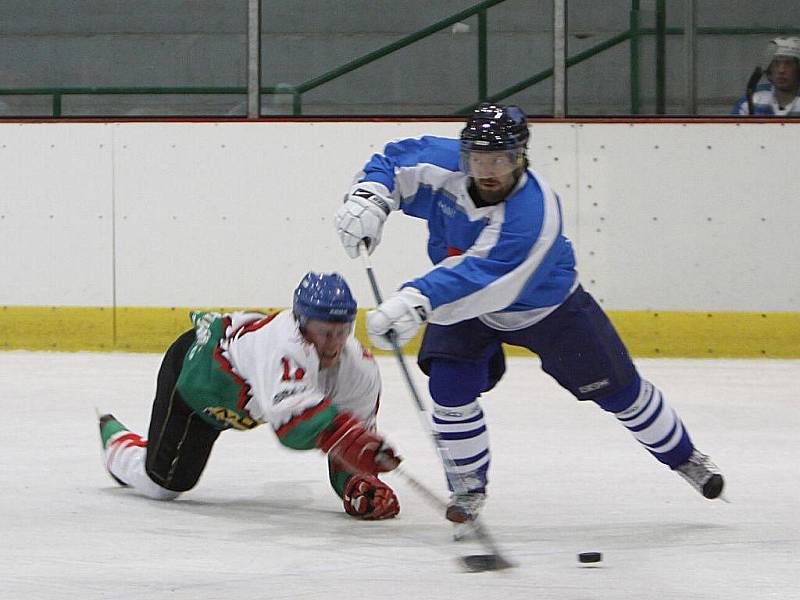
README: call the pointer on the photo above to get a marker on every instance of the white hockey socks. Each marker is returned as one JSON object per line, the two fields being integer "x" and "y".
{"x": 125, "y": 453}
{"x": 656, "y": 425}
{"x": 462, "y": 431}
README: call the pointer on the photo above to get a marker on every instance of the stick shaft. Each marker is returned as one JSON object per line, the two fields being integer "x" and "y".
{"x": 752, "y": 83}
{"x": 376, "y": 291}
{"x": 454, "y": 475}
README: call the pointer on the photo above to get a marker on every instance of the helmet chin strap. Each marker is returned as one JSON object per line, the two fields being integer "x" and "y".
{"x": 301, "y": 325}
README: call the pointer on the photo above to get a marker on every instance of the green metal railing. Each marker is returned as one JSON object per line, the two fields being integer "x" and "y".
{"x": 547, "y": 73}
{"x": 58, "y": 94}
{"x": 478, "y": 9}
{"x": 633, "y": 35}
{"x": 297, "y": 91}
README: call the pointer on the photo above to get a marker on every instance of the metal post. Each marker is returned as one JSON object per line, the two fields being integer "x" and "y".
{"x": 634, "y": 57}
{"x": 559, "y": 58}
{"x": 297, "y": 104}
{"x": 661, "y": 52}
{"x": 254, "y": 59}
{"x": 690, "y": 49}
{"x": 483, "y": 52}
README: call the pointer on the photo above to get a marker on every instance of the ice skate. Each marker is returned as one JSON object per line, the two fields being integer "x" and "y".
{"x": 110, "y": 430}
{"x": 702, "y": 474}
{"x": 462, "y": 509}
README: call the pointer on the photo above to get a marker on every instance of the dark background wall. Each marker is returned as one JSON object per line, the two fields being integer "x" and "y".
{"x": 203, "y": 43}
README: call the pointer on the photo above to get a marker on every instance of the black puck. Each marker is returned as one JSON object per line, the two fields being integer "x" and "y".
{"x": 590, "y": 557}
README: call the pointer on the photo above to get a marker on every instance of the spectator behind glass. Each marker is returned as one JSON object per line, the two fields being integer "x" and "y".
{"x": 779, "y": 97}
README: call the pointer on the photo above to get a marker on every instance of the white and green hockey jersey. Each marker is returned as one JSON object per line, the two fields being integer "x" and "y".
{"x": 245, "y": 369}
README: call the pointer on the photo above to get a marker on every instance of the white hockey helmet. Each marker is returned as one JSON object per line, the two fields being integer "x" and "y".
{"x": 787, "y": 47}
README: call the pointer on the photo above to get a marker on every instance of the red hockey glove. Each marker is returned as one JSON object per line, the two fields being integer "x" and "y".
{"x": 368, "y": 497}
{"x": 357, "y": 448}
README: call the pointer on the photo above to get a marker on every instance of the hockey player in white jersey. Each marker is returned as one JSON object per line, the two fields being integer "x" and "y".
{"x": 781, "y": 96}
{"x": 503, "y": 273}
{"x": 301, "y": 371}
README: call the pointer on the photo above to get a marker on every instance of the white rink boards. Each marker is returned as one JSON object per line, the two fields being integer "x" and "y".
{"x": 263, "y": 523}
{"x": 664, "y": 216}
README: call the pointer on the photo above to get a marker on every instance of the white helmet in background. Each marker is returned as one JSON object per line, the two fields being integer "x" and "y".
{"x": 784, "y": 47}
{"x": 789, "y": 46}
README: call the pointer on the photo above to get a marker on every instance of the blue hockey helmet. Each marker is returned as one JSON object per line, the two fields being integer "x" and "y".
{"x": 324, "y": 297}
{"x": 501, "y": 130}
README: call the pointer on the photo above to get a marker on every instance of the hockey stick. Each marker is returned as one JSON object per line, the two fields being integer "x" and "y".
{"x": 755, "y": 77}
{"x": 472, "y": 562}
{"x": 476, "y": 562}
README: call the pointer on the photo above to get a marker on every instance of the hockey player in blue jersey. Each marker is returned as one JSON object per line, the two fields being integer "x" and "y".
{"x": 503, "y": 273}
{"x": 781, "y": 96}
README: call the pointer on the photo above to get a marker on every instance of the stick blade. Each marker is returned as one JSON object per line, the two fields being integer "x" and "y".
{"x": 478, "y": 563}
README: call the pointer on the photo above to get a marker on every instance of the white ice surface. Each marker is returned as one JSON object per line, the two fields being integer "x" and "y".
{"x": 263, "y": 523}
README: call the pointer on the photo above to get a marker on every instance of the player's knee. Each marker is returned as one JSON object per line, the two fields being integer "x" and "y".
{"x": 622, "y": 399}
{"x": 170, "y": 484}
{"x": 456, "y": 383}
{"x": 148, "y": 487}
{"x": 162, "y": 494}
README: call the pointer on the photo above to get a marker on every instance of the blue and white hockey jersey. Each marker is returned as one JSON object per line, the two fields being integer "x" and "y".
{"x": 508, "y": 264}
{"x": 765, "y": 104}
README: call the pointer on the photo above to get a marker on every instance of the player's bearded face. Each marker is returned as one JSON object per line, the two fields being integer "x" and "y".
{"x": 495, "y": 189}
{"x": 328, "y": 340}
{"x": 494, "y": 173}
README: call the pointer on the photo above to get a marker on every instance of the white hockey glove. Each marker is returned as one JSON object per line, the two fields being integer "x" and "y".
{"x": 361, "y": 217}
{"x": 402, "y": 313}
